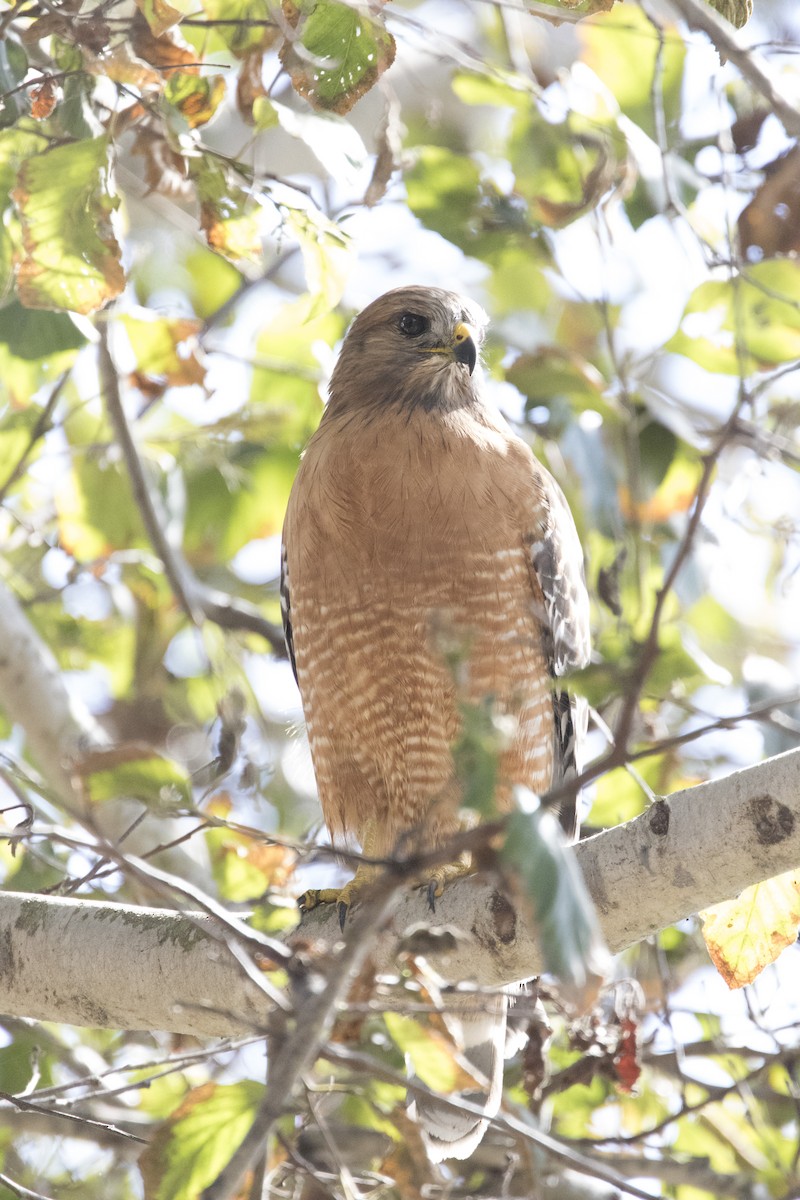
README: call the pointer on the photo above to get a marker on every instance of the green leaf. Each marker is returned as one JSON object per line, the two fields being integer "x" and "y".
{"x": 432, "y": 1056}
{"x": 136, "y": 772}
{"x": 622, "y": 50}
{"x": 70, "y": 258}
{"x": 160, "y": 15}
{"x": 227, "y": 510}
{"x": 547, "y": 881}
{"x": 748, "y": 323}
{"x": 444, "y": 191}
{"x": 35, "y": 348}
{"x": 95, "y": 508}
{"x": 345, "y": 50}
{"x": 551, "y": 373}
{"x": 13, "y": 69}
{"x": 198, "y": 1140}
{"x": 326, "y": 255}
{"x": 250, "y": 25}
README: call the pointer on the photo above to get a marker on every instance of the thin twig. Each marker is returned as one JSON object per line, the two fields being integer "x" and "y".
{"x": 196, "y": 600}
{"x": 39, "y": 430}
{"x": 314, "y": 1022}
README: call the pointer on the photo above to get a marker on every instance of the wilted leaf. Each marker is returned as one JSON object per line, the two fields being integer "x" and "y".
{"x": 166, "y": 348}
{"x": 71, "y": 259}
{"x": 198, "y": 1140}
{"x": 136, "y": 771}
{"x": 165, "y": 168}
{"x": 168, "y": 52}
{"x": 746, "y": 934}
{"x": 229, "y": 216}
{"x": 337, "y": 53}
{"x": 770, "y": 223}
{"x": 43, "y": 100}
{"x": 433, "y": 1057}
{"x": 196, "y": 97}
{"x": 546, "y": 883}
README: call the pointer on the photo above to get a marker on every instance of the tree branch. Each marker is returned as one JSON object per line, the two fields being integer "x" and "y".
{"x": 755, "y": 69}
{"x": 196, "y": 600}
{"x": 135, "y": 968}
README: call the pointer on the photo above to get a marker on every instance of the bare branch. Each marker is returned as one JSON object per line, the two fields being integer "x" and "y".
{"x": 134, "y": 968}
{"x": 196, "y": 600}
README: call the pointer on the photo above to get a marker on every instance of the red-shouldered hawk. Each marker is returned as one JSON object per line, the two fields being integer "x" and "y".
{"x": 419, "y": 521}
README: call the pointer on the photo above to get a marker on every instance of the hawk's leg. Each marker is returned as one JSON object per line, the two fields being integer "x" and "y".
{"x": 346, "y": 896}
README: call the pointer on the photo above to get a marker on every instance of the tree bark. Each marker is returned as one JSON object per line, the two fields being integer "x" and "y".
{"x": 112, "y": 965}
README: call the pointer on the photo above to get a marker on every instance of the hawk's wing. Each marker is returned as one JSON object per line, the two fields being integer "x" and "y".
{"x": 286, "y": 610}
{"x": 557, "y": 562}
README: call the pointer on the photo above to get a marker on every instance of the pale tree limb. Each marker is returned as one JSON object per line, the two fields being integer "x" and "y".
{"x": 57, "y": 725}
{"x": 755, "y": 69}
{"x": 88, "y": 963}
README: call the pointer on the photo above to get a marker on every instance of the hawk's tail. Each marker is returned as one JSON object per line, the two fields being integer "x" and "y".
{"x": 478, "y": 1024}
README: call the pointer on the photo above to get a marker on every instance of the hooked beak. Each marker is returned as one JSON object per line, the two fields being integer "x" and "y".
{"x": 465, "y": 349}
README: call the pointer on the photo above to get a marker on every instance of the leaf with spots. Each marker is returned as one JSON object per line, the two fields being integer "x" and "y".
{"x": 746, "y": 934}
{"x": 70, "y": 257}
{"x": 337, "y": 52}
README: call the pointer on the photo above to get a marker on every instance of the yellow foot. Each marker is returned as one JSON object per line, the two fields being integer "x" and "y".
{"x": 343, "y": 898}
{"x": 443, "y": 875}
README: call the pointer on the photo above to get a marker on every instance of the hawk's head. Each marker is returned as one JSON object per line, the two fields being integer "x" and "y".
{"x": 412, "y": 346}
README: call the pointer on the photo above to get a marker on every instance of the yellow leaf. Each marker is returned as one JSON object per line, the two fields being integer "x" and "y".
{"x": 433, "y": 1056}
{"x": 746, "y": 934}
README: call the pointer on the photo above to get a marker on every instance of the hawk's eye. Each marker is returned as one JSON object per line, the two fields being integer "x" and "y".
{"x": 412, "y": 324}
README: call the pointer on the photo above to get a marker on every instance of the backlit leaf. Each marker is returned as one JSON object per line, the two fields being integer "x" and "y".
{"x": 35, "y": 347}
{"x": 136, "y": 771}
{"x": 746, "y": 934}
{"x": 748, "y": 323}
{"x": 432, "y": 1056}
{"x": 197, "y": 1142}
{"x": 159, "y": 15}
{"x": 70, "y": 259}
{"x": 196, "y": 97}
{"x": 338, "y": 51}
{"x": 165, "y": 348}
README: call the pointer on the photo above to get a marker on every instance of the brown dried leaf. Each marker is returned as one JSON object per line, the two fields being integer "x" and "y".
{"x": 250, "y": 85}
{"x": 771, "y": 221}
{"x": 164, "y": 51}
{"x": 43, "y": 100}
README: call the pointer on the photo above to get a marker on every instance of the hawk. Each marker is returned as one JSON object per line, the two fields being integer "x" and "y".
{"x": 429, "y": 561}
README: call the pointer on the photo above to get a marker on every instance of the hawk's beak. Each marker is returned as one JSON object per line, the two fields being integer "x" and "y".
{"x": 465, "y": 349}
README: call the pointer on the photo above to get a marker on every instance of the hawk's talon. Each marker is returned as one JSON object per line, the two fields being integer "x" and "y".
{"x": 434, "y": 890}
{"x": 342, "y": 910}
